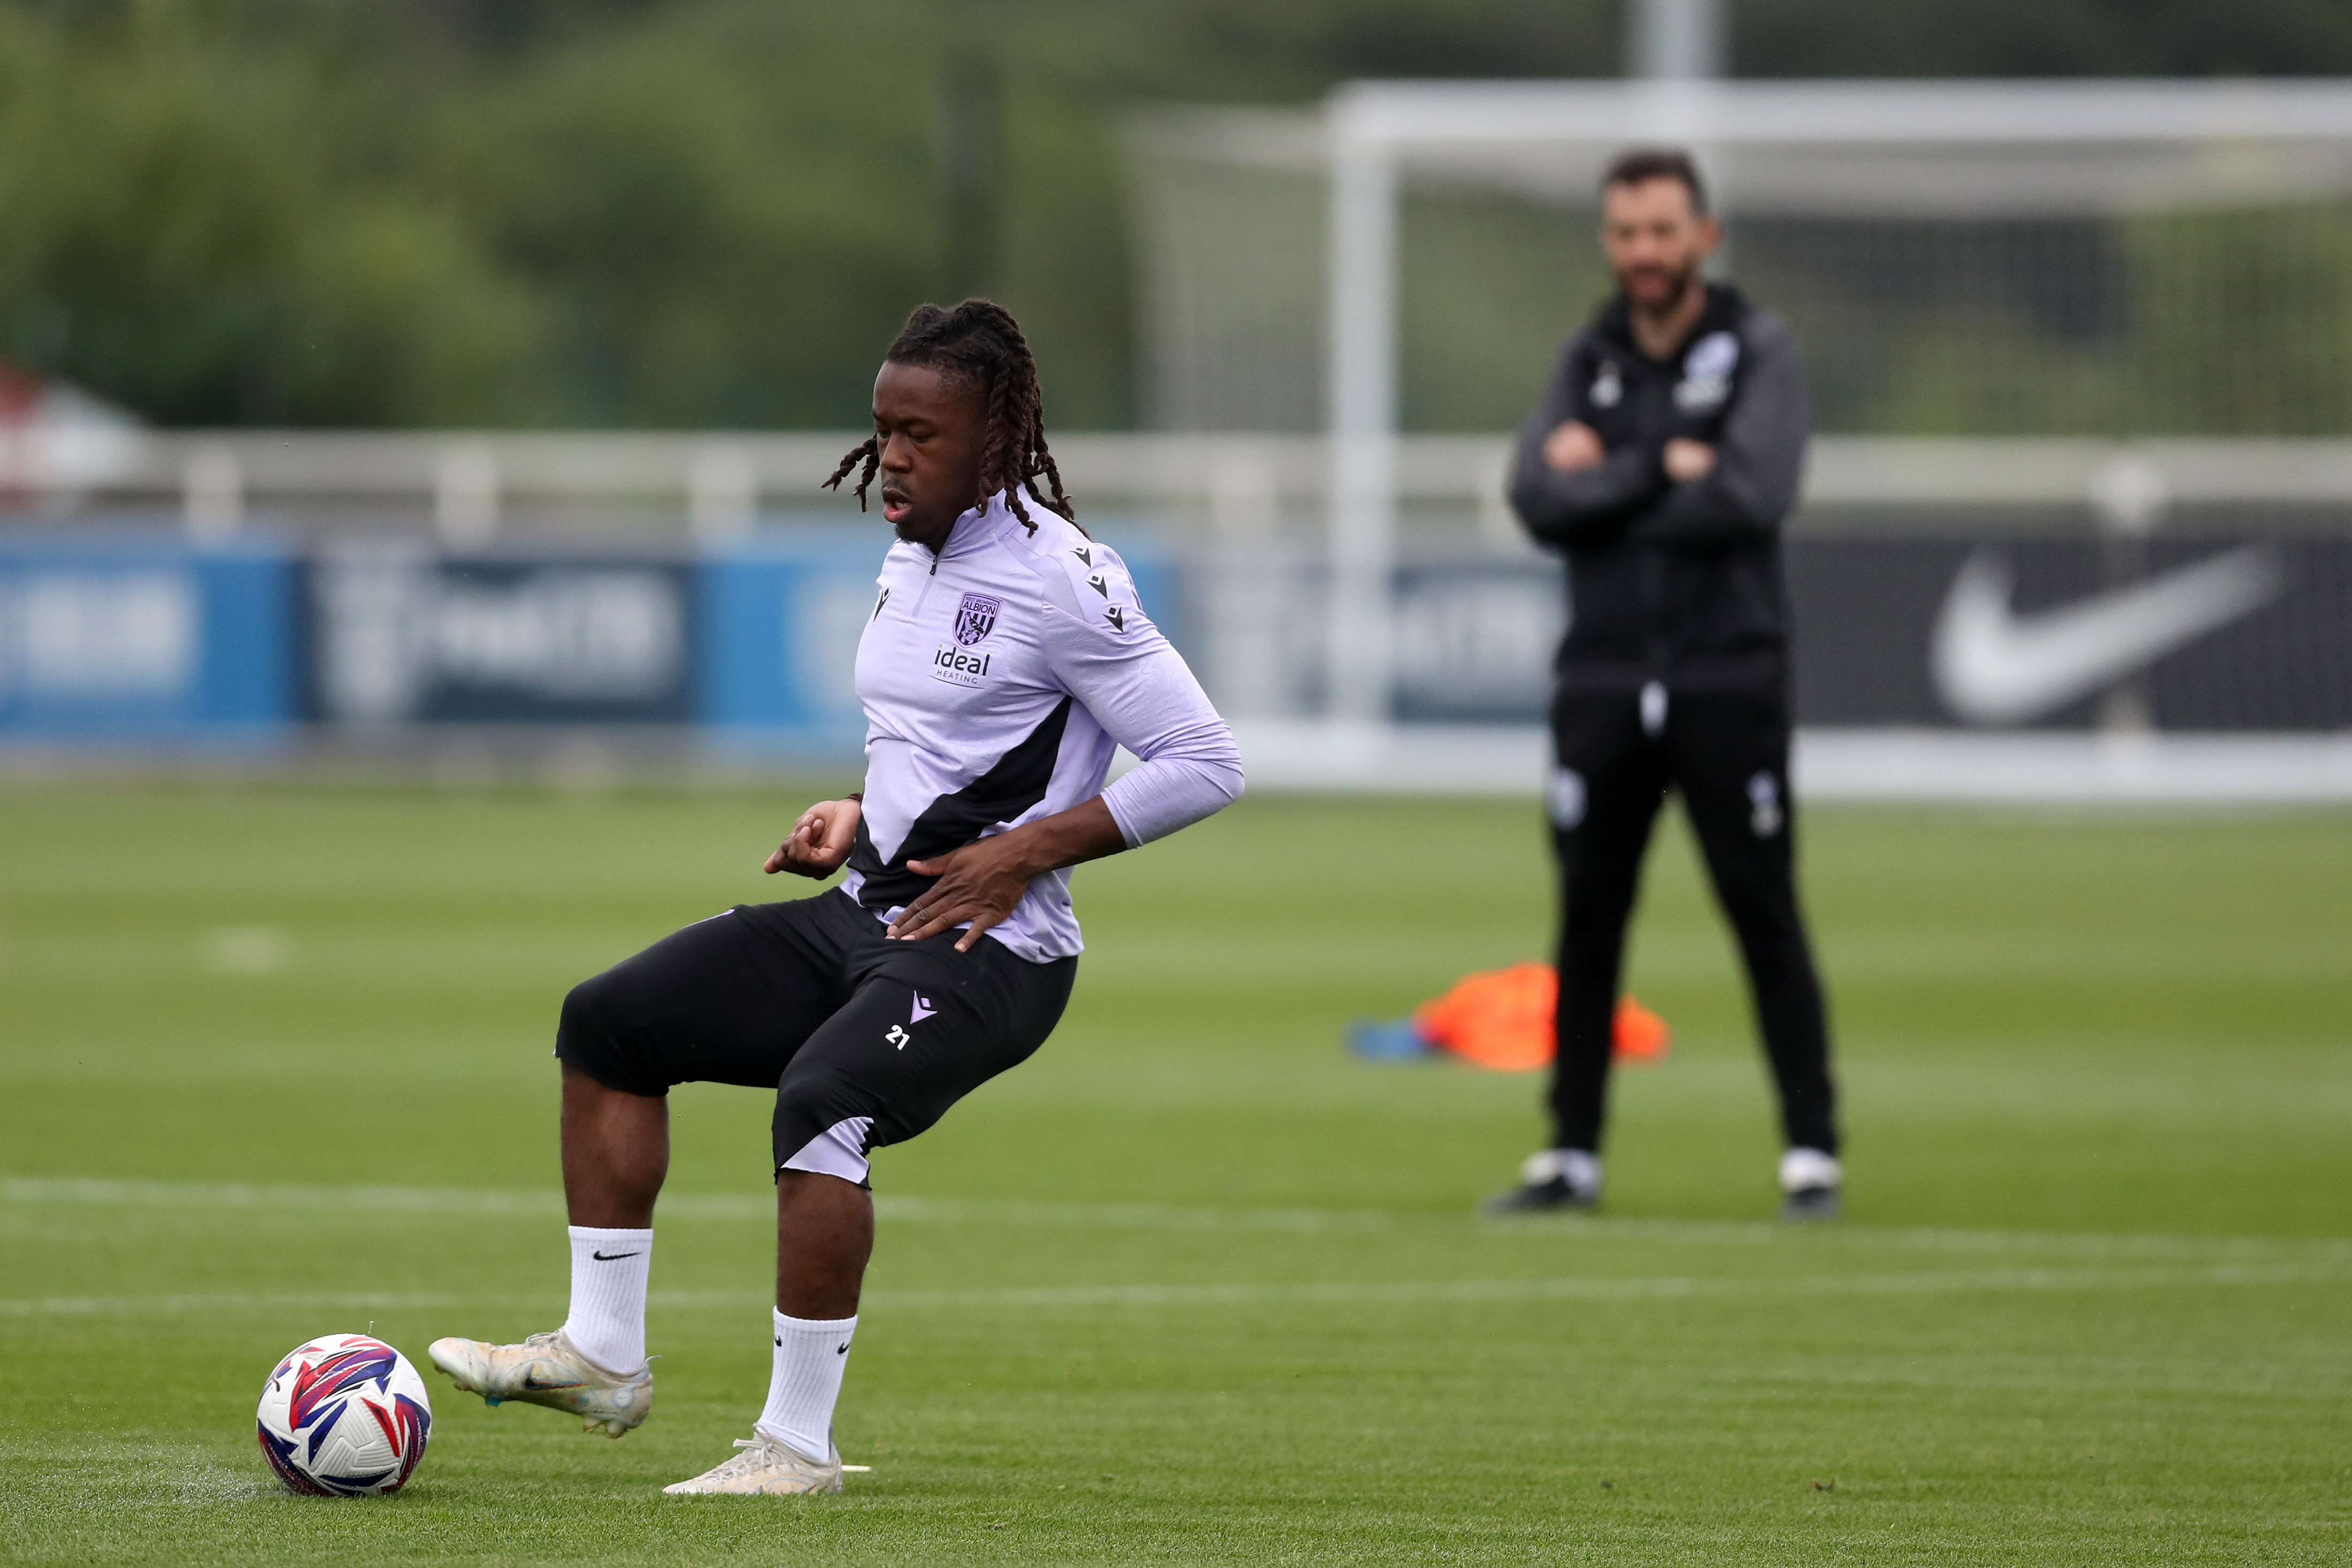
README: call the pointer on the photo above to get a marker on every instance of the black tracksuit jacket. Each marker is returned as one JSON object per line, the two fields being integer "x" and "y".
{"x": 1674, "y": 583}
{"x": 1678, "y": 584}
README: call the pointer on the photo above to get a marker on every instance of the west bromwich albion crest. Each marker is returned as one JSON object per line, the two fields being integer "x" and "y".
{"x": 1706, "y": 372}
{"x": 976, "y": 617}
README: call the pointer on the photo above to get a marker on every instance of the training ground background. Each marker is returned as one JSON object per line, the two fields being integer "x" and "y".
{"x": 1192, "y": 1286}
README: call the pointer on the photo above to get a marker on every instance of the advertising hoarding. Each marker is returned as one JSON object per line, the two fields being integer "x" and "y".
{"x": 2210, "y": 632}
{"x": 130, "y": 636}
{"x": 400, "y": 636}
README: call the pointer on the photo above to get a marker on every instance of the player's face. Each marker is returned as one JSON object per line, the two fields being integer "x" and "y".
{"x": 1655, "y": 243}
{"x": 930, "y": 427}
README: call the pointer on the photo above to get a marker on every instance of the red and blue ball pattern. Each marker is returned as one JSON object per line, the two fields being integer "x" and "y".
{"x": 344, "y": 1415}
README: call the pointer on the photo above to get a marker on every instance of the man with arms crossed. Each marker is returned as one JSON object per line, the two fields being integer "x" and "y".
{"x": 1006, "y": 658}
{"x": 1661, "y": 460}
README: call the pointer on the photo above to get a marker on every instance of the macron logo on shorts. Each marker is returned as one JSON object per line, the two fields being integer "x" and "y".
{"x": 898, "y": 1036}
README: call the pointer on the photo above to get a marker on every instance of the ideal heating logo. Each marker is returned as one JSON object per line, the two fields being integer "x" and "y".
{"x": 959, "y": 665}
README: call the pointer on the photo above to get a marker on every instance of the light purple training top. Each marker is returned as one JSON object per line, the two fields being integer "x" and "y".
{"x": 998, "y": 678}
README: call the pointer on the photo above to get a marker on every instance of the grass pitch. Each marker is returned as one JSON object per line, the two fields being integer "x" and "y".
{"x": 1192, "y": 1286}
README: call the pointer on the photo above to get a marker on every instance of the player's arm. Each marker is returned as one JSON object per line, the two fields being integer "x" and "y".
{"x": 820, "y": 841}
{"x": 1565, "y": 486}
{"x": 1140, "y": 691}
{"x": 1741, "y": 487}
{"x": 983, "y": 880}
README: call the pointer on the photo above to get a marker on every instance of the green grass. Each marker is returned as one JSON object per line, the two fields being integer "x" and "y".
{"x": 1191, "y": 1285}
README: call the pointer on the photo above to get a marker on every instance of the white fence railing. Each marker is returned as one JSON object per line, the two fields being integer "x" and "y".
{"x": 470, "y": 483}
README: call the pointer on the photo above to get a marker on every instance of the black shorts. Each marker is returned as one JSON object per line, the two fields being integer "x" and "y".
{"x": 866, "y": 1041}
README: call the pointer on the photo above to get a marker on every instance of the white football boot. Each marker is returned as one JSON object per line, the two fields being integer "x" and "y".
{"x": 546, "y": 1369}
{"x": 764, "y": 1469}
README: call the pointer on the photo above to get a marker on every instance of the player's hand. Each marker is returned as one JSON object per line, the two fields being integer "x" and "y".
{"x": 1573, "y": 448}
{"x": 980, "y": 882}
{"x": 819, "y": 842}
{"x": 1687, "y": 459}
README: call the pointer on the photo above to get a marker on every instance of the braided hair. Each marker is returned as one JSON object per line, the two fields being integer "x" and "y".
{"x": 980, "y": 343}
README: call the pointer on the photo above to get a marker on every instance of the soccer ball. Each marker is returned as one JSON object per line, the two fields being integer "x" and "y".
{"x": 344, "y": 1415}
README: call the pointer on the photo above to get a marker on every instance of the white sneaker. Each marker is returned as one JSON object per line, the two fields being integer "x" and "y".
{"x": 1552, "y": 1179}
{"x": 764, "y": 1469}
{"x": 547, "y": 1369}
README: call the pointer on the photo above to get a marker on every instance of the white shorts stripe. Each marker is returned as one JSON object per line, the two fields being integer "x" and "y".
{"x": 838, "y": 1150}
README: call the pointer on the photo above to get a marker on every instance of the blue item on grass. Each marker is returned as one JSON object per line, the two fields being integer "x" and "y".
{"x": 1396, "y": 1041}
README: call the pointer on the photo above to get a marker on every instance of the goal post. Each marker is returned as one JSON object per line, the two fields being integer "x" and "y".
{"x": 2106, "y": 259}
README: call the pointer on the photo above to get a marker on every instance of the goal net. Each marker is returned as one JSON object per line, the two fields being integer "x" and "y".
{"x": 1963, "y": 258}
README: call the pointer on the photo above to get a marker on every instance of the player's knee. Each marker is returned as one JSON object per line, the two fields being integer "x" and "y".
{"x": 823, "y": 1123}
{"x": 834, "y": 1148}
{"x": 591, "y": 1010}
{"x": 592, "y": 1037}
{"x": 1760, "y": 905}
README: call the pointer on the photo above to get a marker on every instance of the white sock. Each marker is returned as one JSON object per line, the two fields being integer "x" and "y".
{"x": 609, "y": 1269}
{"x": 1580, "y": 1167}
{"x": 806, "y": 1384}
{"x": 1804, "y": 1168}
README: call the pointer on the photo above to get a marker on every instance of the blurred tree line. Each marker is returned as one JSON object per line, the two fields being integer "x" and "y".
{"x": 716, "y": 212}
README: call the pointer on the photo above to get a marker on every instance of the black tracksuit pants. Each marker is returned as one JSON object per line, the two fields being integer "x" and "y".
{"x": 1727, "y": 754}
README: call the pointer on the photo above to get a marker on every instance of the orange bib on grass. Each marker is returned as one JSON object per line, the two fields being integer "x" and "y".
{"x": 1501, "y": 1019}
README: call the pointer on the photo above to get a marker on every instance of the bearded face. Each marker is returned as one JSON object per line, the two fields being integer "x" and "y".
{"x": 1657, "y": 240}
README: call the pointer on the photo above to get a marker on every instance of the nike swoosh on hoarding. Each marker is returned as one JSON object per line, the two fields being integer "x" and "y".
{"x": 1992, "y": 666}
